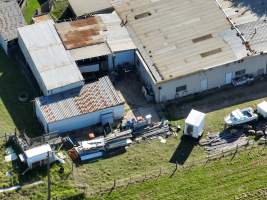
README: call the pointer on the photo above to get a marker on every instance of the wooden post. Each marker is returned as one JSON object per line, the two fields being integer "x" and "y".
{"x": 114, "y": 184}
{"x": 48, "y": 177}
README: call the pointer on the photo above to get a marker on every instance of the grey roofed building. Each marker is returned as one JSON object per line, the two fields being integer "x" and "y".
{"x": 52, "y": 66}
{"x": 249, "y": 17}
{"x": 10, "y": 19}
{"x": 85, "y": 7}
{"x": 177, "y": 38}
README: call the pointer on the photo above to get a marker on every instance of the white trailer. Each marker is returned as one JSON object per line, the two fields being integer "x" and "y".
{"x": 262, "y": 109}
{"x": 194, "y": 124}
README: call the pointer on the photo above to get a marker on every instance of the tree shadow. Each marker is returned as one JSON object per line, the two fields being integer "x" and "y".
{"x": 183, "y": 150}
{"x": 16, "y": 113}
{"x": 258, "y": 7}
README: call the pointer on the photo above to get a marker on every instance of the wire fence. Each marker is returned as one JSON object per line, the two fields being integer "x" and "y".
{"x": 171, "y": 171}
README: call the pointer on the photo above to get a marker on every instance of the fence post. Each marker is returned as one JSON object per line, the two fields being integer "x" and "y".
{"x": 176, "y": 167}
{"x": 159, "y": 173}
{"x": 114, "y": 184}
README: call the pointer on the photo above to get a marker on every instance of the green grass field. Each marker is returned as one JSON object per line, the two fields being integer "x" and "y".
{"x": 31, "y": 7}
{"x": 220, "y": 180}
{"x": 59, "y": 7}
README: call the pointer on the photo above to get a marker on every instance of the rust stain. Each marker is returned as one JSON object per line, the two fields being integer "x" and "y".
{"x": 81, "y": 33}
{"x": 85, "y": 22}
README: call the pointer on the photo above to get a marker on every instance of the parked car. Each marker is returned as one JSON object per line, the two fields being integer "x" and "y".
{"x": 246, "y": 79}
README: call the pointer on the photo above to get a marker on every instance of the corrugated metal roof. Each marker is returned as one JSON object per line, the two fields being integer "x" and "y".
{"x": 244, "y": 11}
{"x": 81, "y": 33}
{"x": 117, "y": 36}
{"x": 52, "y": 62}
{"x": 10, "y": 19}
{"x": 83, "y": 7}
{"x": 90, "y": 51}
{"x": 255, "y": 33}
{"x": 92, "y": 97}
{"x": 95, "y": 36}
{"x": 165, "y": 32}
{"x": 249, "y": 17}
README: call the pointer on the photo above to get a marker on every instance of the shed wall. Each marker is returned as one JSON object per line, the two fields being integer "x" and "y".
{"x": 216, "y": 77}
{"x": 120, "y": 58}
{"x": 124, "y": 57}
{"x": 82, "y": 120}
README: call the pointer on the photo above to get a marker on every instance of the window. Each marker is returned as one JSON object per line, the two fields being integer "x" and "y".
{"x": 202, "y": 38}
{"x": 181, "y": 88}
{"x": 142, "y": 15}
{"x": 210, "y": 53}
{"x": 240, "y": 73}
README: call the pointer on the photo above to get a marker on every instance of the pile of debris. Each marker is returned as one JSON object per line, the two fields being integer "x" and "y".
{"x": 96, "y": 148}
{"x": 223, "y": 142}
{"x": 99, "y": 147}
{"x": 158, "y": 129}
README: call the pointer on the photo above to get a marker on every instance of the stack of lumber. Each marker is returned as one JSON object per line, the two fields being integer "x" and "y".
{"x": 115, "y": 136}
{"x": 223, "y": 142}
{"x": 118, "y": 140}
{"x": 153, "y": 131}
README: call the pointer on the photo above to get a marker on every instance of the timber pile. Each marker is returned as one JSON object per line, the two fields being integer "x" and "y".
{"x": 153, "y": 131}
{"x": 223, "y": 142}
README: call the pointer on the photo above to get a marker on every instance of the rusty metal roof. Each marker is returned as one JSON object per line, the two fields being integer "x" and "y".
{"x": 90, "y": 98}
{"x": 81, "y": 33}
{"x": 95, "y": 36}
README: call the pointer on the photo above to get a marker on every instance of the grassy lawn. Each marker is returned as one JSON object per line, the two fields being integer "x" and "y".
{"x": 13, "y": 113}
{"x": 218, "y": 180}
{"x": 59, "y": 7}
{"x": 31, "y": 7}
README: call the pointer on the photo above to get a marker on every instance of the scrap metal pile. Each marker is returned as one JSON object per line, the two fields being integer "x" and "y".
{"x": 99, "y": 147}
{"x": 223, "y": 142}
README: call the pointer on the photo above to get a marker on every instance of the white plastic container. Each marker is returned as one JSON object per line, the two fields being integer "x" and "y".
{"x": 194, "y": 124}
{"x": 262, "y": 109}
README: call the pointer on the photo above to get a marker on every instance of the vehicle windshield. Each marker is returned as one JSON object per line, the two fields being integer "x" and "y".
{"x": 247, "y": 113}
{"x": 233, "y": 117}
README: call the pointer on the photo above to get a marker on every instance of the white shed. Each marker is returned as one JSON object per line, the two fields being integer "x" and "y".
{"x": 80, "y": 108}
{"x": 52, "y": 66}
{"x": 39, "y": 155}
{"x": 194, "y": 124}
